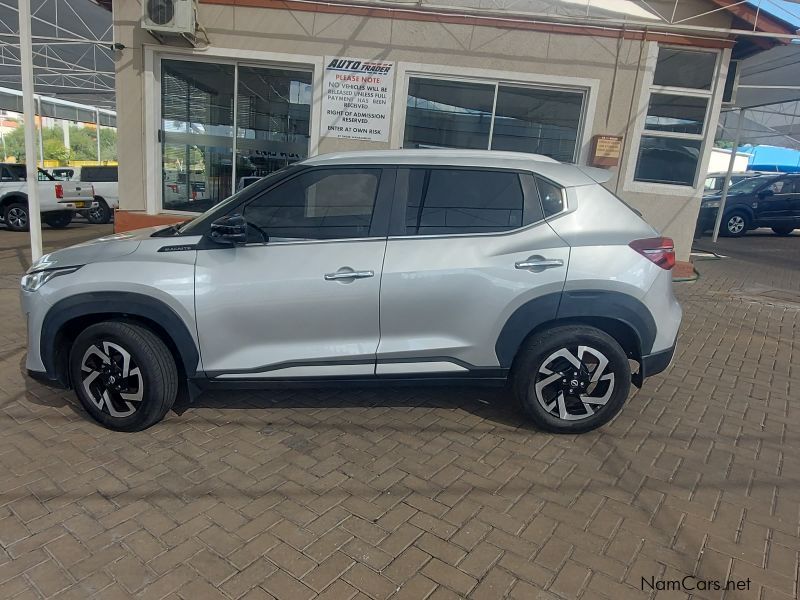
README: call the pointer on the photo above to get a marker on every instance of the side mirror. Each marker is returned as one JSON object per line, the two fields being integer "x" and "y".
{"x": 766, "y": 193}
{"x": 229, "y": 230}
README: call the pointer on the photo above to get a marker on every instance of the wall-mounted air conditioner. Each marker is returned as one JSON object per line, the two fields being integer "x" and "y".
{"x": 164, "y": 17}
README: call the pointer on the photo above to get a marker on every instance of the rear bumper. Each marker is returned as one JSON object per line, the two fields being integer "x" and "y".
{"x": 655, "y": 363}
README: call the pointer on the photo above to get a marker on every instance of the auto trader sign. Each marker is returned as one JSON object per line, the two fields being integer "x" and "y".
{"x": 357, "y": 98}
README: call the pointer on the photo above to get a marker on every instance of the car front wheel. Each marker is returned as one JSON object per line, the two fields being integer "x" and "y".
{"x": 123, "y": 374}
{"x": 735, "y": 224}
{"x": 571, "y": 379}
{"x": 16, "y": 216}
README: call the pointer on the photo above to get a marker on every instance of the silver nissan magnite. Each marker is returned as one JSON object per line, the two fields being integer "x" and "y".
{"x": 414, "y": 265}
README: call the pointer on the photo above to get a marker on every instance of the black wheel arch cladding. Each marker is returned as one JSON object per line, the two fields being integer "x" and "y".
{"x": 575, "y": 306}
{"x": 111, "y": 305}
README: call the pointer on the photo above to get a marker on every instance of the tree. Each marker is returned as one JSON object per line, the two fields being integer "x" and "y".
{"x": 83, "y": 143}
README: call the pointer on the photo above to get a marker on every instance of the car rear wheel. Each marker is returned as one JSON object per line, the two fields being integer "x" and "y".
{"x": 58, "y": 220}
{"x": 571, "y": 379}
{"x": 123, "y": 374}
{"x": 16, "y": 216}
{"x": 735, "y": 224}
{"x": 783, "y": 230}
{"x": 101, "y": 214}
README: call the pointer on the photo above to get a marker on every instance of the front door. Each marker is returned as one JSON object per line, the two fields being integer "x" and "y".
{"x": 305, "y": 303}
{"x": 774, "y": 210}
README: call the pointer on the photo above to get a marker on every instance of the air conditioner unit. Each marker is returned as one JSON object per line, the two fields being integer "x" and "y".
{"x": 177, "y": 17}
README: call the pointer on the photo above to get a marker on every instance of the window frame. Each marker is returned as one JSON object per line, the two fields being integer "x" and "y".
{"x": 631, "y": 184}
{"x": 154, "y": 54}
{"x": 397, "y": 224}
{"x": 407, "y": 70}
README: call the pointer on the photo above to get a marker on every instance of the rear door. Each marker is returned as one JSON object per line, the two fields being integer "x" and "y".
{"x": 467, "y": 248}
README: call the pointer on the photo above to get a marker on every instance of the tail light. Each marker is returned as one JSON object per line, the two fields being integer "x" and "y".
{"x": 59, "y": 191}
{"x": 660, "y": 251}
{"x": 173, "y": 187}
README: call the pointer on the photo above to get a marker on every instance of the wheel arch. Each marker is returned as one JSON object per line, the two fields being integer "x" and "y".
{"x": 68, "y": 317}
{"x": 12, "y": 197}
{"x": 621, "y": 316}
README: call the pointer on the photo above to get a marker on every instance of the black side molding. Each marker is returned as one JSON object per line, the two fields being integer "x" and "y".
{"x": 115, "y": 303}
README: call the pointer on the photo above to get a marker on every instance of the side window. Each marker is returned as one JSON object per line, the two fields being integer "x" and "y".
{"x": 318, "y": 205}
{"x": 552, "y": 197}
{"x": 781, "y": 186}
{"x": 452, "y": 201}
{"x": 5, "y": 175}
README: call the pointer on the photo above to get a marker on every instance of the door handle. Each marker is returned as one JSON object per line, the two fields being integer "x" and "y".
{"x": 339, "y": 275}
{"x": 539, "y": 263}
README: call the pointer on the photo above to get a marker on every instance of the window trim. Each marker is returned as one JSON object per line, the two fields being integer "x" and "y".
{"x": 706, "y": 140}
{"x": 397, "y": 220}
{"x": 406, "y": 70}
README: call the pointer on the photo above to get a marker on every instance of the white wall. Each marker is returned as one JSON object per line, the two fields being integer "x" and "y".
{"x": 720, "y": 157}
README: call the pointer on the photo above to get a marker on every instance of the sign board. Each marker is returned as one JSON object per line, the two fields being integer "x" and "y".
{"x": 606, "y": 150}
{"x": 357, "y": 98}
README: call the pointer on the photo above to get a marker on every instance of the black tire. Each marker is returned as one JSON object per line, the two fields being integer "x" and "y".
{"x": 783, "y": 230}
{"x": 100, "y": 215}
{"x": 59, "y": 219}
{"x": 16, "y": 216}
{"x": 536, "y": 356}
{"x": 735, "y": 224}
{"x": 156, "y": 383}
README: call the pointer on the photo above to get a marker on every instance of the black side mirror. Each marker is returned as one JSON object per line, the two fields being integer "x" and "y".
{"x": 230, "y": 230}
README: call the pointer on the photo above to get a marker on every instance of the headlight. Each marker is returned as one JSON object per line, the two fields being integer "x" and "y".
{"x": 33, "y": 281}
{"x": 711, "y": 204}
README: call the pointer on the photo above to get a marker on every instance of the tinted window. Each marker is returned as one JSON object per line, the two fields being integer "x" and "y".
{"x": 319, "y": 204}
{"x": 99, "y": 174}
{"x": 684, "y": 68}
{"x": 551, "y": 195}
{"x": 667, "y": 160}
{"x": 17, "y": 171}
{"x": 463, "y": 201}
{"x": 5, "y": 175}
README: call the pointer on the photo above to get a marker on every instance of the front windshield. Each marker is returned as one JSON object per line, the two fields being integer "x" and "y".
{"x": 748, "y": 186}
{"x": 197, "y": 225}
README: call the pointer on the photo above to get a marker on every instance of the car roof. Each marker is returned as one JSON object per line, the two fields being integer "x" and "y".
{"x": 566, "y": 175}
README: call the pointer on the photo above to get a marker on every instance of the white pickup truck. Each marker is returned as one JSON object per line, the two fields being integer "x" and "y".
{"x": 58, "y": 199}
{"x": 104, "y": 178}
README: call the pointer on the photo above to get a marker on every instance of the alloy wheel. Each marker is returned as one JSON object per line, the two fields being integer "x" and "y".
{"x": 735, "y": 224}
{"x": 17, "y": 218}
{"x": 111, "y": 379}
{"x": 574, "y": 385}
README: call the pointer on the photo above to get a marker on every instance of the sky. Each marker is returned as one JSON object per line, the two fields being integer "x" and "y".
{"x": 783, "y": 9}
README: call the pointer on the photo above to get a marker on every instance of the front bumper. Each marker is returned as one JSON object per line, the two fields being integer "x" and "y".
{"x": 706, "y": 218}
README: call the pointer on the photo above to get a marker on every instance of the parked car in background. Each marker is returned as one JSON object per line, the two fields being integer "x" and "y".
{"x": 764, "y": 201}
{"x": 412, "y": 265}
{"x": 715, "y": 181}
{"x": 104, "y": 179}
{"x": 58, "y": 199}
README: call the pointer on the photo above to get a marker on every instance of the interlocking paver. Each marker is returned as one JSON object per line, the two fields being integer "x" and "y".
{"x": 422, "y": 493}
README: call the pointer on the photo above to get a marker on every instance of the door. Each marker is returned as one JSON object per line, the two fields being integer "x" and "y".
{"x": 773, "y": 205}
{"x": 304, "y": 304}
{"x": 472, "y": 247}
{"x": 794, "y": 203}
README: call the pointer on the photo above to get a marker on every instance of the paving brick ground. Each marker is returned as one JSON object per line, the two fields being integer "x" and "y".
{"x": 422, "y": 493}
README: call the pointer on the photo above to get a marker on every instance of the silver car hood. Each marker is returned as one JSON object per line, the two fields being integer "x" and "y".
{"x": 104, "y": 248}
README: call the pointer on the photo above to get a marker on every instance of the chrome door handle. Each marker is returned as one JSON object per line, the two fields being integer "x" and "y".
{"x": 348, "y": 275}
{"x": 539, "y": 263}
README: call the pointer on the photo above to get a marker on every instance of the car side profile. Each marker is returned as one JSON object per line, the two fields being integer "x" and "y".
{"x": 409, "y": 265}
{"x": 765, "y": 201}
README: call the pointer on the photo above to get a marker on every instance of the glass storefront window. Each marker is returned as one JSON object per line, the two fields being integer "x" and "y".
{"x": 448, "y": 114}
{"x": 442, "y": 113}
{"x": 538, "y": 120}
{"x": 273, "y": 113}
{"x": 272, "y": 117}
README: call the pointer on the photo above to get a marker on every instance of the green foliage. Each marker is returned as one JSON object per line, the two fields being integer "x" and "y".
{"x": 83, "y": 144}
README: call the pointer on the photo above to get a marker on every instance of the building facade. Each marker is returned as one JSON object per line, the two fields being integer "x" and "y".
{"x": 276, "y": 82}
